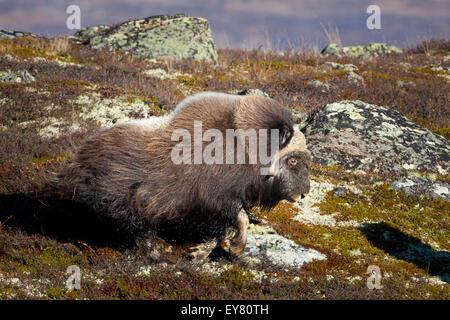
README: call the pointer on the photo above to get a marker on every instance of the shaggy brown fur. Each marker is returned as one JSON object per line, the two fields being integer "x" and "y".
{"x": 126, "y": 173}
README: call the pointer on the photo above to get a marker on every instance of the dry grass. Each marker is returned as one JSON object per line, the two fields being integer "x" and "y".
{"x": 332, "y": 34}
{"x": 29, "y": 252}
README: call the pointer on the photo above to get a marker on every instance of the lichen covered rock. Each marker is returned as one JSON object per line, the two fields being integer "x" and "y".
{"x": 324, "y": 86}
{"x": 11, "y": 34}
{"x": 421, "y": 186}
{"x": 338, "y": 66}
{"x": 165, "y": 36}
{"x": 16, "y": 76}
{"x": 372, "y": 49}
{"x": 358, "y": 135}
{"x": 107, "y": 112}
{"x": 264, "y": 243}
{"x": 251, "y": 92}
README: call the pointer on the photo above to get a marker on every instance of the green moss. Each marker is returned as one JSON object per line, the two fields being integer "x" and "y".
{"x": 380, "y": 203}
{"x": 273, "y": 65}
{"x": 56, "y": 86}
{"x": 192, "y": 82}
{"x": 157, "y": 105}
{"x": 282, "y": 213}
{"x": 429, "y": 71}
{"x": 334, "y": 174}
{"x": 48, "y": 158}
{"x": 235, "y": 277}
{"x": 348, "y": 94}
{"x": 11, "y": 264}
{"x": 8, "y": 293}
{"x": 62, "y": 293}
{"x": 50, "y": 49}
{"x": 445, "y": 132}
{"x": 51, "y": 256}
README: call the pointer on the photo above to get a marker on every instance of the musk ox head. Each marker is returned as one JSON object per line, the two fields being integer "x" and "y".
{"x": 289, "y": 174}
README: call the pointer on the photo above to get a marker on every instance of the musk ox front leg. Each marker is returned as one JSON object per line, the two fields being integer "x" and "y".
{"x": 239, "y": 241}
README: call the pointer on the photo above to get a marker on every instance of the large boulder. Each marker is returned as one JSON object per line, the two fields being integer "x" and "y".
{"x": 165, "y": 36}
{"x": 372, "y": 49}
{"x": 358, "y": 135}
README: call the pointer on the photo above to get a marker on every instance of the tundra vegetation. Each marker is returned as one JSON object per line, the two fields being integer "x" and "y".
{"x": 353, "y": 218}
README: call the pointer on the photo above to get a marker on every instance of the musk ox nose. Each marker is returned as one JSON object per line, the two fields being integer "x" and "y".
{"x": 301, "y": 196}
{"x": 305, "y": 191}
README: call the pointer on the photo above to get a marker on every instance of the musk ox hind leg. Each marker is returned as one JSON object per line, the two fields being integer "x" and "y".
{"x": 154, "y": 248}
{"x": 239, "y": 241}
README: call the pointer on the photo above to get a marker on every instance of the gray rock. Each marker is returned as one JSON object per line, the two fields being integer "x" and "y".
{"x": 355, "y": 78}
{"x": 264, "y": 243}
{"x": 11, "y": 34}
{"x": 248, "y": 92}
{"x": 405, "y": 83}
{"x": 280, "y": 251}
{"x": 85, "y": 33}
{"x": 165, "y": 36}
{"x": 338, "y": 66}
{"x": 419, "y": 186}
{"x": 16, "y": 76}
{"x": 358, "y": 135}
{"x": 340, "y": 191}
{"x": 300, "y": 117}
{"x": 325, "y": 86}
{"x": 370, "y": 50}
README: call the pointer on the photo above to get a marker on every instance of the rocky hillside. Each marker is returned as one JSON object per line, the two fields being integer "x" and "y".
{"x": 376, "y": 119}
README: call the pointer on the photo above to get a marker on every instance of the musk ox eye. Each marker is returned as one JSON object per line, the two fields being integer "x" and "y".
{"x": 293, "y": 161}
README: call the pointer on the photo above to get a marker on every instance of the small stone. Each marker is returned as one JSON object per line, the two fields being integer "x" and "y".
{"x": 16, "y": 76}
{"x": 355, "y": 78}
{"x": 340, "y": 192}
{"x": 338, "y": 66}
{"x": 248, "y": 92}
{"x": 325, "y": 86}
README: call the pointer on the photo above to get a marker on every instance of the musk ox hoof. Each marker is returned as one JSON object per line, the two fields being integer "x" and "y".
{"x": 195, "y": 255}
{"x": 200, "y": 252}
{"x": 154, "y": 249}
{"x": 220, "y": 253}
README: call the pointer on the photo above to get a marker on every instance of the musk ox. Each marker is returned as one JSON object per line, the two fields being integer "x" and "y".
{"x": 128, "y": 172}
